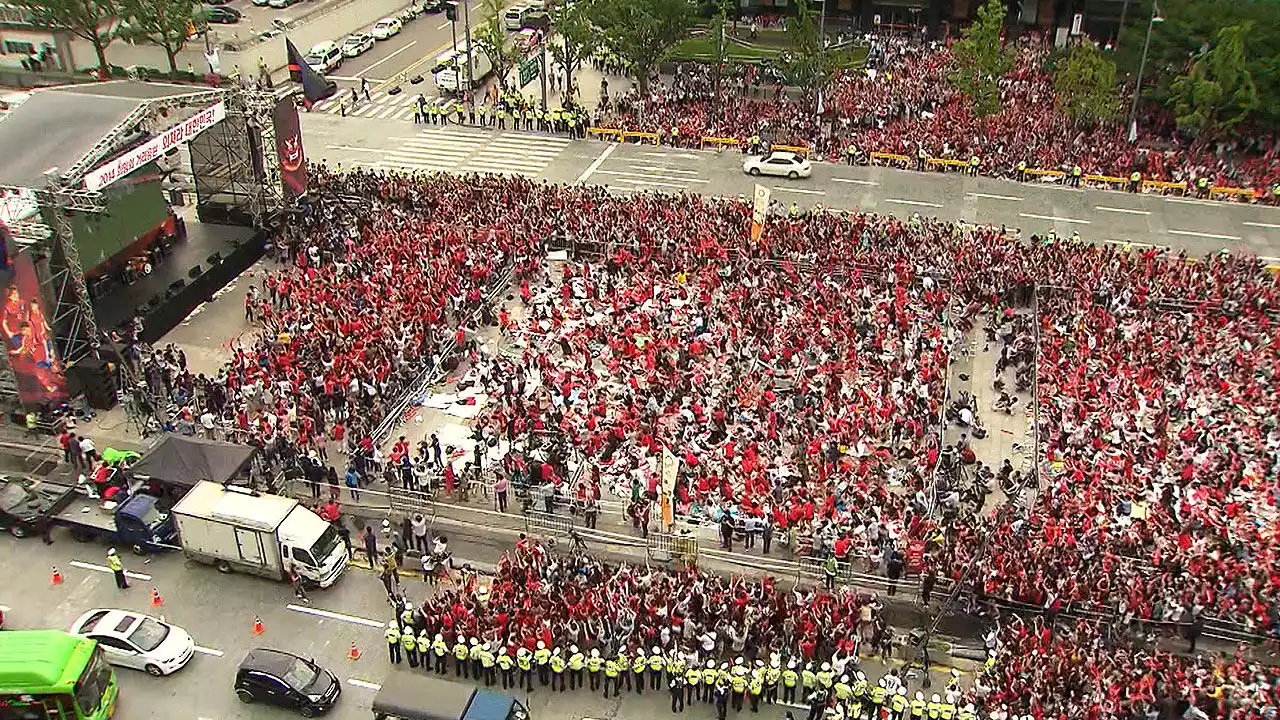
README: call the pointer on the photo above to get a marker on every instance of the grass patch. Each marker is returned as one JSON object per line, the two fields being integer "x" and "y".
{"x": 704, "y": 48}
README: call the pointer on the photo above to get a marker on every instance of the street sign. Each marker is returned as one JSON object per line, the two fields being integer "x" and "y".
{"x": 528, "y": 71}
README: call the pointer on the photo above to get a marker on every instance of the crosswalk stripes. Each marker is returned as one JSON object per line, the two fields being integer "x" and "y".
{"x": 452, "y": 148}
{"x": 379, "y": 105}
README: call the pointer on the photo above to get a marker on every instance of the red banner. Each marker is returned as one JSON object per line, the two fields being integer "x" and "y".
{"x": 28, "y": 338}
{"x": 293, "y": 161}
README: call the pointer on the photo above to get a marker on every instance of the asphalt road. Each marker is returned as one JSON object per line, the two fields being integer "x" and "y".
{"x": 218, "y": 610}
{"x": 1199, "y": 226}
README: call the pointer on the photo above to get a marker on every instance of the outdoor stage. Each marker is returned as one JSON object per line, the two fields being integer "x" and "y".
{"x": 189, "y": 275}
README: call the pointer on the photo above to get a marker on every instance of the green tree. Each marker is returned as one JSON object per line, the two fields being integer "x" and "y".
{"x": 1085, "y": 84}
{"x": 91, "y": 20}
{"x": 1218, "y": 92}
{"x": 491, "y": 38}
{"x": 577, "y": 38}
{"x": 718, "y": 31}
{"x": 163, "y": 23}
{"x": 642, "y": 32}
{"x": 981, "y": 59}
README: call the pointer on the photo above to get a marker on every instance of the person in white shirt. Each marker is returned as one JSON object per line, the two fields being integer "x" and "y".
{"x": 90, "y": 452}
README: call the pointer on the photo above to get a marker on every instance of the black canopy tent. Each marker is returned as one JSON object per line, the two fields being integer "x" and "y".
{"x": 179, "y": 462}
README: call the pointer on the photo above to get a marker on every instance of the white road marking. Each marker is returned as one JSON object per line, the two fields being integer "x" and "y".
{"x": 335, "y": 616}
{"x": 1273, "y": 226}
{"x": 619, "y": 173}
{"x": 351, "y": 79}
{"x": 100, "y": 568}
{"x": 989, "y": 196}
{"x": 209, "y": 651}
{"x": 1130, "y": 211}
{"x": 912, "y": 202}
{"x": 1053, "y": 218}
{"x": 687, "y": 156}
{"x": 1211, "y": 236}
{"x": 397, "y": 52}
{"x": 1191, "y": 201}
{"x": 444, "y": 24}
{"x": 593, "y": 167}
{"x": 649, "y": 183}
{"x": 364, "y": 684}
{"x": 354, "y": 148}
{"x": 1132, "y": 243}
{"x": 5, "y": 608}
{"x": 783, "y": 188}
{"x": 855, "y": 181}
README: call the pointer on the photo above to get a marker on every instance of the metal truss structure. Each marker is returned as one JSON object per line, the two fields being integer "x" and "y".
{"x": 48, "y": 233}
{"x": 235, "y": 180}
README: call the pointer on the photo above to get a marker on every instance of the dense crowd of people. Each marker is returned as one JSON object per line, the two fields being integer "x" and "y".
{"x": 902, "y": 103}
{"x": 798, "y": 380}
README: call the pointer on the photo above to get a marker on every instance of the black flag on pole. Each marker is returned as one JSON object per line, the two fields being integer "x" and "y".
{"x": 315, "y": 87}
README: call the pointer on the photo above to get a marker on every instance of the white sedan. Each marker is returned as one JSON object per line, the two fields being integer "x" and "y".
{"x": 782, "y": 164}
{"x": 137, "y": 641}
{"x": 385, "y": 28}
{"x": 356, "y": 44}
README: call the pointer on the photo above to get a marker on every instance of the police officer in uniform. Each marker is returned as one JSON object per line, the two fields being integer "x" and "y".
{"x": 1135, "y": 181}
{"x": 506, "y": 664}
{"x": 1022, "y": 171}
{"x": 756, "y": 685}
{"x": 487, "y": 662}
{"x": 410, "y": 643}
{"x": 790, "y": 678}
{"x": 576, "y": 663}
{"x": 721, "y": 694}
{"x": 830, "y": 566}
{"x": 440, "y": 650}
{"x": 968, "y": 712}
{"x": 1076, "y": 172}
{"x": 900, "y": 704}
{"x": 879, "y": 694}
{"x": 611, "y": 677}
{"x": 558, "y": 665}
{"x": 424, "y": 650}
{"x": 542, "y": 658}
{"x": 692, "y": 683}
{"x": 675, "y": 684}
{"x": 739, "y": 682}
{"x": 594, "y": 665}
{"x": 918, "y": 706}
{"x": 709, "y": 678}
{"x": 974, "y": 162}
{"x": 460, "y": 657}
{"x": 393, "y": 642}
{"x": 844, "y": 691}
{"x": 624, "y": 669}
{"x": 524, "y": 659}
{"x": 638, "y": 665}
{"x": 1202, "y": 187}
{"x": 934, "y": 707}
{"x": 655, "y": 668}
{"x": 771, "y": 678}
{"x": 474, "y": 655}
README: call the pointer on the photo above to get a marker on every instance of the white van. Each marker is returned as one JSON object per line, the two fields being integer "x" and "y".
{"x": 513, "y": 18}
{"x": 454, "y": 78}
{"x": 325, "y": 57}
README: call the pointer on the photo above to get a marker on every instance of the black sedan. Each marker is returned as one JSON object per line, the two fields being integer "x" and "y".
{"x": 224, "y": 15}
{"x": 284, "y": 679}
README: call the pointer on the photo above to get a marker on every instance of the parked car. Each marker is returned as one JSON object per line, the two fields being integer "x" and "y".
{"x": 284, "y": 679}
{"x": 281, "y": 4}
{"x": 261, "y": 3}
{"x": 137, "y": 641}
{"x": 385, "y": 28}
{"x": 224, "y": 15}
{"x": 536, "y": 20}
{"x": 24, "y": 502}
{"x": 779, "y": 163}
{"x": 216, "y": 2}
{"x": 356, "y": 44}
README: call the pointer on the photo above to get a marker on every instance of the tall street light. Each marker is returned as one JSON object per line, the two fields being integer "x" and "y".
{"x": 1142, "y": 66}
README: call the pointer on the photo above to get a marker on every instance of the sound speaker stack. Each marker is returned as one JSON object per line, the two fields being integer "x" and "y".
{"x": 95, "y": 379}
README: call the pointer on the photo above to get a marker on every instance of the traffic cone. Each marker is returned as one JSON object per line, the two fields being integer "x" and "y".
{"x": 156, "y": 600}
{"x": 353, "y": 653}
{"x": 57, "y": 577}
{"x": 258, "y": 627}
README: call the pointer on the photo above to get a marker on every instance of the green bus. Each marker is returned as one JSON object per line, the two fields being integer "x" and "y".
{"x": 53, "y": 675}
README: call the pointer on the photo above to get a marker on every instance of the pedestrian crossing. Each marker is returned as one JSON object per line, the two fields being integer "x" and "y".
{"x": 472, "y": 150}
{"x": 379, "y": 105}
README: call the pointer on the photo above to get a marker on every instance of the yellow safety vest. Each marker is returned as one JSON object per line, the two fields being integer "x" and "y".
{"x": 611, "y": 669}
{"x": 460, "y": 651}
{"x": 393, "y": 636}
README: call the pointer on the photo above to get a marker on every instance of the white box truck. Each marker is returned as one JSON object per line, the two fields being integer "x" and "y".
{"x": 234, "y": 528}
{"x": 453, "y": 78}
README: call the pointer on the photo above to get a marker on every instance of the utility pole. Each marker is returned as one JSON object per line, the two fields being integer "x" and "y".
{"x": 1142, "y": 66}
{"x": 466, "y": 15}
{"x": 542, "y": 71}
{"x": 1124, "y": 12}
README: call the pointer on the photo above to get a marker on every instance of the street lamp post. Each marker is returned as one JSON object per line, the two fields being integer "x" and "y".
{"x": 1142, "y": 66}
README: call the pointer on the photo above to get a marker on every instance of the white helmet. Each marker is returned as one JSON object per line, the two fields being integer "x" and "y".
{"x": 595, "y": 653}
{"x": 485, "y": 646}
{"x": 919, "y": 695}
{"x": 391, "y": 625}
{"x": 542, "y": 645}
{"x": 861, "y": 676}
{"x": 502, "y": 651}
{"x": 475, "y": 641}
{"x": 573, "y": 648}
{"x": 737, "y": 660}
{"x": 969, "y": 708}
{"x": 556, "y": 652}
{"x": 935, "y": 698}
{"x": 902, "y": 691}
{"x": 844, "y": 678}
{"x": 826, "y": 667}
{"x": 656, "y": 651}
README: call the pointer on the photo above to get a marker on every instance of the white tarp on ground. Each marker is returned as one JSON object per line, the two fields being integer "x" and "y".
{"x": 460, "y": 437}
{"x": 450, "y": 405}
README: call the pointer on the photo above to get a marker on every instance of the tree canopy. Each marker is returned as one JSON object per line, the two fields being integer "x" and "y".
{"x": 91, "y": 20}
{"x": 981, "y": 59}
{"x": 1218, "y": 92}
{"x": 491, "y": 38}
{"x": 642, "y": 32}
{"x": 577, "y": 38}
{"x": 163, "y": 23}
{"x": 1085, "y": 85}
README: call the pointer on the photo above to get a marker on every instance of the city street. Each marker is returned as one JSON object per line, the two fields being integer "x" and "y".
{"x": 394, "y": 142}
{"x": 219, "y": 611}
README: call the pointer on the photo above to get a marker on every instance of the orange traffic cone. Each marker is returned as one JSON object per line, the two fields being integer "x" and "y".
{"x": 156, "y": 600}
{"x": 258, "y": 627}
{"x": 353, "y": 653}
{"x": 57, "y": 577}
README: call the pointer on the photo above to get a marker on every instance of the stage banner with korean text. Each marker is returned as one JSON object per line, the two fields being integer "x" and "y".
{"x": 759, "y": 213}
{"x": 32, "y": 356}
{"x": 293, "y": 162}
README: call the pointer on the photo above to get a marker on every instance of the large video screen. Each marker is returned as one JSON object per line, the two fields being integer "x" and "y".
{"x": 37, "y": 370}
{"x": 135, "y": 206}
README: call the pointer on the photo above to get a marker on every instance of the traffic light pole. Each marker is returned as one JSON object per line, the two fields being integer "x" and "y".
{"x": 542, "y": 62}
{"x": 466, "y": 17}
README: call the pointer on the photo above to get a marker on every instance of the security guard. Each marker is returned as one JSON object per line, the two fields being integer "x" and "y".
{"x": 693, "y": 683}
{"x": 594, "y": 665}
{"x": 879, "y": 694}
{"x": 624, "y": 668}
{"x": 756, "y": 685}
{"x": 655, "y": 668}
{"x": 576, "y": 662}
{"x": 440, "y": 650}
{"x": 844, "y": 691}
{"x": 410, "y": 643}
{"x": 1135, "y": 181}
{"x": 739, "y": 683}
{"x": 771, "y": 678}
{"x": 789, "y": 680}
{"x": 918, "y": 706}
{"x": 675, "y": 684}
{"x": 474, "y": 655}
{"x": 1022, "y": 171}
{"x": 524, "y": 660}
{"x": 830, "y": 566}
{"x": 424, "y": 650}
{"x": 487, "y": 662}
{"x": 709, "y": 677}
{"x": 507, "y": 665}
{"x": 611, "y": 677}
{"x": 934, "y": 707}
{"x": 638, "y": 665}
{"x": 1076, "y": 172}
{"x": 460, "y": 656}
{"x": 968, "y": 712}
{"x": 1202, "y": 186}
{"x": 974, "y": 162}
{"x": 900, "y": 704}
{"x": 541, "y": 658}
{"x": 825, "y": 677}
{"x": 557, "y": 664}
{"x": 393, "y": 642}
{"x": 459, "y": 110}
